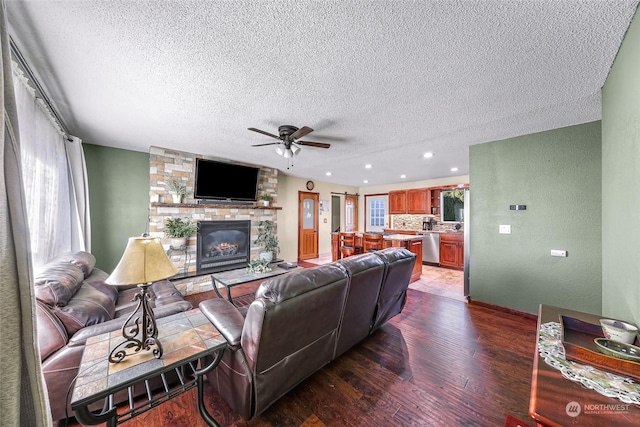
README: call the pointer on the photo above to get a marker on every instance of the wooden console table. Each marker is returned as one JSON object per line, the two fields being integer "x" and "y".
{"x": 557, "y": 401}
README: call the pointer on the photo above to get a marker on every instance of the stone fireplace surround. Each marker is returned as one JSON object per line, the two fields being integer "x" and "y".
{"x": 166, "y": 164}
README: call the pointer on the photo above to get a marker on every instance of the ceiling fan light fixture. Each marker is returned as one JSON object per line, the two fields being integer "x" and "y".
{"x": 288, "y": 153}
{"x": 295, "y": 149}
{"x": 280, "y": 151}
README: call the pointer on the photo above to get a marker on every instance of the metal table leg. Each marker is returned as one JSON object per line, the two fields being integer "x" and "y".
{"x": 200, "y": 379}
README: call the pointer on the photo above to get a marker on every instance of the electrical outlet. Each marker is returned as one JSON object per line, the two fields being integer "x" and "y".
{"x": 504, "y": 229}
{"x": 558, "y": 252}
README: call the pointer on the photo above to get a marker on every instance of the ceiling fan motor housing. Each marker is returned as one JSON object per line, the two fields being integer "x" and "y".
{"x": 286, "y": 131}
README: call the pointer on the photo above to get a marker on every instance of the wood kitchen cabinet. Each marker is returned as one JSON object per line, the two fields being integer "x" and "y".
{"x": 398, "y": 202}
{"x": 434, "y": 201}
{"x": 417, "y": 201}
{"x": 452, "y": 251}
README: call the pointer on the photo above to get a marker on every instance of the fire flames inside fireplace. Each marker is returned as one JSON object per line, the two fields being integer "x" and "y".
{"x": 223, "y": 245}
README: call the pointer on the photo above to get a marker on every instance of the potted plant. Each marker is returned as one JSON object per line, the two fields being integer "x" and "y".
{"x": 179, "y": 189}
{"x": 266, "y": 199}
{"x": 178, "y": 229}
{"x": 267, "y": 240}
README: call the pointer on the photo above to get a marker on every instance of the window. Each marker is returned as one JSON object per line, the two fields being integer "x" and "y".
{"x": 452, "y": 205}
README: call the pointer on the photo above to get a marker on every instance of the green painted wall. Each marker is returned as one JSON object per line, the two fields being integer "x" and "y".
{"x": 621, "y": 182}
{"x": 119, "y": 200}
{"x": 557, "y": 175}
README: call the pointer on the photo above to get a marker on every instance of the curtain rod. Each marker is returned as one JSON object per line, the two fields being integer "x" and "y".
{"x": 38, "y": 87}
{"x": 345, "y": 194}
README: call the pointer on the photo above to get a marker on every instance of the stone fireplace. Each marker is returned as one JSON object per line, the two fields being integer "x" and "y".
{"x": 222, "y": 245}
{"x": 166, "y": 164}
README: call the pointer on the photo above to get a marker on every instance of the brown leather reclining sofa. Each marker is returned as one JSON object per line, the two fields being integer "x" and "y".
{"x": 72, "y": 304}
{"x": 301, "y": 321}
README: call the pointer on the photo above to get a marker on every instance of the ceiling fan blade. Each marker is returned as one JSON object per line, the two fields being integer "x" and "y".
{"x": 304, "y": 130}
{"x": 314, "y": 144}
{"x": 268, "y": 143}
{"x": 264, "y": 133}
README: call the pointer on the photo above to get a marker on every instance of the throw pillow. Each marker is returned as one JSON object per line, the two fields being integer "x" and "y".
{"x": 56, "y": 283}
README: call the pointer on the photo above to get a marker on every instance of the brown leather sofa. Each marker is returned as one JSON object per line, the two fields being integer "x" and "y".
{"x": 72, "y": 304}
{"x": 301, "y": 321}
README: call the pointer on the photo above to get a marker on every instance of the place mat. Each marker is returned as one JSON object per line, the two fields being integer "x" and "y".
{"x": 606, "y": 383}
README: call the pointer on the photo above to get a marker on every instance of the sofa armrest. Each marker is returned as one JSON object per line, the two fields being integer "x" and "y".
{"x": 226, "y": 318}
{"x": 81, "y": 336}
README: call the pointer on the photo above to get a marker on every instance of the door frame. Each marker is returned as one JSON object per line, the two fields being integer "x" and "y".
{"x": 366, "y": 205}
{"x": 316, "y": 223}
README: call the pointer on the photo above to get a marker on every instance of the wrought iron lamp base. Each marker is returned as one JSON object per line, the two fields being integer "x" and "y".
{"x": 140, "y": 330}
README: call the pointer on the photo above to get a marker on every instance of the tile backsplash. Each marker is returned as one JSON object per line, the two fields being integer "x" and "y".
{"x": 414, "y": 223}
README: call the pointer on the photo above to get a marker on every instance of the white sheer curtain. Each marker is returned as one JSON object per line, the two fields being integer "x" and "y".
{"x": 54, "y": 179}
{"x": 23, "y": 399}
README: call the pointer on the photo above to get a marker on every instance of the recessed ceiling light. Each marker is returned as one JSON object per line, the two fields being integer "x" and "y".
{"x": 328, "y": 174}
{"x": 365, "y": 181}
{"x": 403, "y": 176}
{"x": 367, "y": 166}
{"x": 428, "y": 155}
{"x": 454, "y": 169}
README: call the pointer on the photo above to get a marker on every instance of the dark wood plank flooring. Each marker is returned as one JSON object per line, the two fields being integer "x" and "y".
{"x": 440, "y": 363}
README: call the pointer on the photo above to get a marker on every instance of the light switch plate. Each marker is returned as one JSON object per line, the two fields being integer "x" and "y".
{"x": 558, "y": 252}
{"x": 504, "y": 229}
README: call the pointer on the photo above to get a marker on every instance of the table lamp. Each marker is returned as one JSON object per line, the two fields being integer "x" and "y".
{"x": 143, "y": 262}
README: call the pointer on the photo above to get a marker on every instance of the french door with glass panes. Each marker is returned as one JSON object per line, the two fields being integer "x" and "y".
{"x": 376, "y": 218}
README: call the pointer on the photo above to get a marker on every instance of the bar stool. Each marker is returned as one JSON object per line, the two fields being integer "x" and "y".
{"x": 347, "y": 244}
{"x": 371, "y": 242}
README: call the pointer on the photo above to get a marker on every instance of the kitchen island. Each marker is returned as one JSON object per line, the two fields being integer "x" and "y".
{"x": 411, "y": 242}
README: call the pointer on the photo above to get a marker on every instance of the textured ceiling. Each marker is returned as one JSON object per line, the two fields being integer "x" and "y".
{"x": 382, "y": 81}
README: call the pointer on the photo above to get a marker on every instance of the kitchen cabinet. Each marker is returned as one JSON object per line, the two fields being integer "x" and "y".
{"x": 452, "y": 251}
{"x": 398, "y": 202}
{"x": 417, "y": 201}
{"x": 434, "y": 201}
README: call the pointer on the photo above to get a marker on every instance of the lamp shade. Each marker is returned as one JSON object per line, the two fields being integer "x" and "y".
{"x": 143, "y": 261}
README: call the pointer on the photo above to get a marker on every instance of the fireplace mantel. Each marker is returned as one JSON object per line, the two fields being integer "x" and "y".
{"x": 213, "y": 206}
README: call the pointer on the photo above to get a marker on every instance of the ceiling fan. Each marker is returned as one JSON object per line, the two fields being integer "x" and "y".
{"x": 288, "y": 144}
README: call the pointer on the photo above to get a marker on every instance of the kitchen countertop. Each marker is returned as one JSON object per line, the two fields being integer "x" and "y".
{"x": 402, "y": 237}
{"x": 417, "y": 233}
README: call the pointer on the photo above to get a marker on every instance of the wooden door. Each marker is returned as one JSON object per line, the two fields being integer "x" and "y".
{"x": 307, "y": 225}
{"x": 351, "y": 213}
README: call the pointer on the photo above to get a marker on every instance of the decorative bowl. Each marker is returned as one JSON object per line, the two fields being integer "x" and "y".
{"x": 618, "y": 331}
{"x": 618, "y": 349}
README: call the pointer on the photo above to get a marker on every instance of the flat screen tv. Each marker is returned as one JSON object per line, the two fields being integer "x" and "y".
{"x": 225, "y": 181}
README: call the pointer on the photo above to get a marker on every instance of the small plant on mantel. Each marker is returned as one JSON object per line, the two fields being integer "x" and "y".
{"x": 266, "y": 199}
{"x": 178, "y": 229}
{"x": 179, "y": 189}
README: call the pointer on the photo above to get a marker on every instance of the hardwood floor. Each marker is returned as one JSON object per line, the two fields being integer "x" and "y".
{"x": 441, "y": 362}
